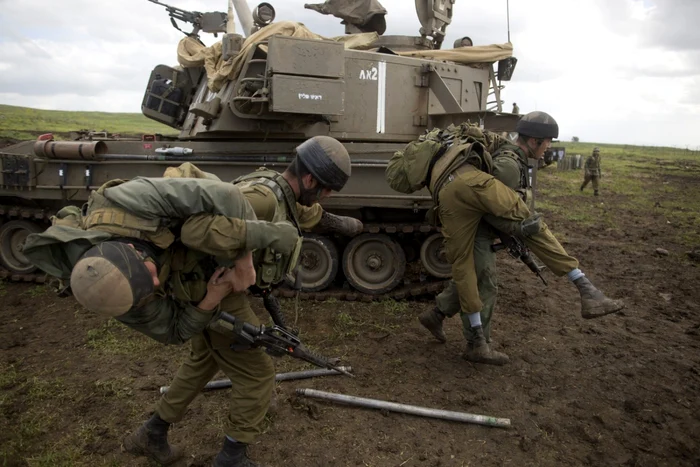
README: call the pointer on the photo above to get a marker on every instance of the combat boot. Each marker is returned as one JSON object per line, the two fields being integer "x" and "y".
{"x": 233, "y": 454}
{"x": 595, "y": 192}
{"x": 432, "y": 321}
{"x": 479, "y": 351}
{"x": 594, "y": 303}
{"x": 344, "y": 225}
{"x": 151, "y": 440}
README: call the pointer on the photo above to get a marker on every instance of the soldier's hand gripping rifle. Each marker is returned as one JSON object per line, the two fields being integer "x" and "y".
{"x": 517, "y": 249}
{"x": 211, "y": 22}
{"x": 277, "y": 340}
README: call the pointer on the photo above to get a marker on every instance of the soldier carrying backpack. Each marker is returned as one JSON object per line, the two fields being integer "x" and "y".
{"x": 479, "y": 181}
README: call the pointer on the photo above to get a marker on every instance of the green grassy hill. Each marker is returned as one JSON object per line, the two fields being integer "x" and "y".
{"x": 26, "y": 123}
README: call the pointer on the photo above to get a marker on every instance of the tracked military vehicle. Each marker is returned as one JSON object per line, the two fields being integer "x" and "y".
{"x": 274, "y": 88}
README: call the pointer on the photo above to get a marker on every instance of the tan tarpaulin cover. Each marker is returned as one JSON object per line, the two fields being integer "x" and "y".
{"x": 190, "y": 53}
{"x": 466, "y": 55}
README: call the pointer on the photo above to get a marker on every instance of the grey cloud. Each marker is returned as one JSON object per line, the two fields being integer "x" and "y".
{"x": 674, "y": 25}
{"x": 671, "y": 24}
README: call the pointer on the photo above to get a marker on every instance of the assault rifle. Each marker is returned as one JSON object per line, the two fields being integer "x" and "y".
{"x": 211, "y": 22}
{"x": 276, "y": 340}
{"x": 517, "y": 249}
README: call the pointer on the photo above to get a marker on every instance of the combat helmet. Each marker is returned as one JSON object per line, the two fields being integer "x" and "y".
{"x": 327, "y": 160}
{"x": 538, "y": 125}
{"x": 111, "y": 278}
{"x": 596, "y": 151}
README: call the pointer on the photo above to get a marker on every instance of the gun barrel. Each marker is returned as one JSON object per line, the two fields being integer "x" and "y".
{"x": 244, "y": 16}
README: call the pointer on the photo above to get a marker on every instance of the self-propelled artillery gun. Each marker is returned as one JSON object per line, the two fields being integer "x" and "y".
{"x": 250, "y": 99}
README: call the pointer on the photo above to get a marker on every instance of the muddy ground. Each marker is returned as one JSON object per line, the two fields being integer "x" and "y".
{"x": 621, "y": 390}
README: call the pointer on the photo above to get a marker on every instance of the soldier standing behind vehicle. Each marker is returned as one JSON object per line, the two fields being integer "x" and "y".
{"x": 321, "y": 166}
{"x": 592, "y": 171}
{"x": 510, "y": 166}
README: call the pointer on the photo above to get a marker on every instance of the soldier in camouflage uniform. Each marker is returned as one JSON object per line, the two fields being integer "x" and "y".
{"x": 468, "y": 241}
{"x": 592, "y": 171}
{"x": 321, "y": 166}
{"x": 123, "y": 260}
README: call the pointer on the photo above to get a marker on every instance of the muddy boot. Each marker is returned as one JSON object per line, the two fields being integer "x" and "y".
{"x": 581, "y": 189}
{"x": 595, "y": 192}
{"x": 151, "y": 440}
{"x": 479, "y": 351}
{"x": 233, "y": 454}
{"x": 344, "y": 225}
{"x": 432, "y": 321}
{"x": 594, "y": 303}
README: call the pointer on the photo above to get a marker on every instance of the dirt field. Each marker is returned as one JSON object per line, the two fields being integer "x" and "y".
{"x": 621, "y": 390}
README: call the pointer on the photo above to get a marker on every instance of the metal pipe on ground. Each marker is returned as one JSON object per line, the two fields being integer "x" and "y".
{"x": 226, "y": 383}
{"x": 409, "y": 409}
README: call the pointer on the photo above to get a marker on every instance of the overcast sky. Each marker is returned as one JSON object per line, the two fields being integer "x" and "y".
{"x": 615, "y": 71}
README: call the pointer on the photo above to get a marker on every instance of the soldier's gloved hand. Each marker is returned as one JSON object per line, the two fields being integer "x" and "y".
{"x": 280, "y": 236}
{"x": 531, "y": 226}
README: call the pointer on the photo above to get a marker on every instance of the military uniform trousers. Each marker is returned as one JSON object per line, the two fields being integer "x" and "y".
{"x": 463, "y": 202}
{"x": 592, "y": 178}
{"x": 485, "y": 267}
{"x": 251, "y": 372}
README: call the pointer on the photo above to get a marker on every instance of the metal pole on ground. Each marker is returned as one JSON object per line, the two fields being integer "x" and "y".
{"x": 226, "y": 383}
{"x": 409, "y": 409}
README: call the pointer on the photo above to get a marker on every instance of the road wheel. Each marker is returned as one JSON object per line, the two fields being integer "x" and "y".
{"x": 12, "y": 237}
{"x": 318, "y": 263}
{"x": 434, "y": 258}
{"x": 374, "y": 263}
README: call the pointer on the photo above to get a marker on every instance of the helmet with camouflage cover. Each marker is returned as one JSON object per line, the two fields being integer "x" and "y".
{"x": 538, "y": 125}
{"x": 111, "y": 278}
{"x": 596, "y": 151}
{"x": 327, "y": 160}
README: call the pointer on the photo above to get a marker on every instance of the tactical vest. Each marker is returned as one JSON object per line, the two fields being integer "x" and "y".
{"x": 271, "y": 267}
{"x": 102, "y": 214}
{"x": 525, "y": 185}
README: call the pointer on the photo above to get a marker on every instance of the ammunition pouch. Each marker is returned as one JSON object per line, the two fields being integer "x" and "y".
{"x": 69, "y": 216}
{"x": 272, "y": 267}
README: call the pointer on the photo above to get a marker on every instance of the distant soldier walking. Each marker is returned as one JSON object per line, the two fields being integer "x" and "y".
{"x": 592, "y": 171}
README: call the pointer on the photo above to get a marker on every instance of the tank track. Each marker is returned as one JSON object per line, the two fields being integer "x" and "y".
{"x": 403, "y": 292}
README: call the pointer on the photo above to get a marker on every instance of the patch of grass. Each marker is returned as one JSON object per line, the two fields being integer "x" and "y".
{"x": 36, "y": 291}
{"x": 344, "y": 325}
{"x": 41, "y": 390}
{"x": 113, "y": 338}
{"x": 9, "y": 376}
{"x": 119, "y": 388}
{"x": 659, "y": 184}
{"x": 26, "y": 123}
{"x": 394, "y": 307}
{"x": 63, "y": 455}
